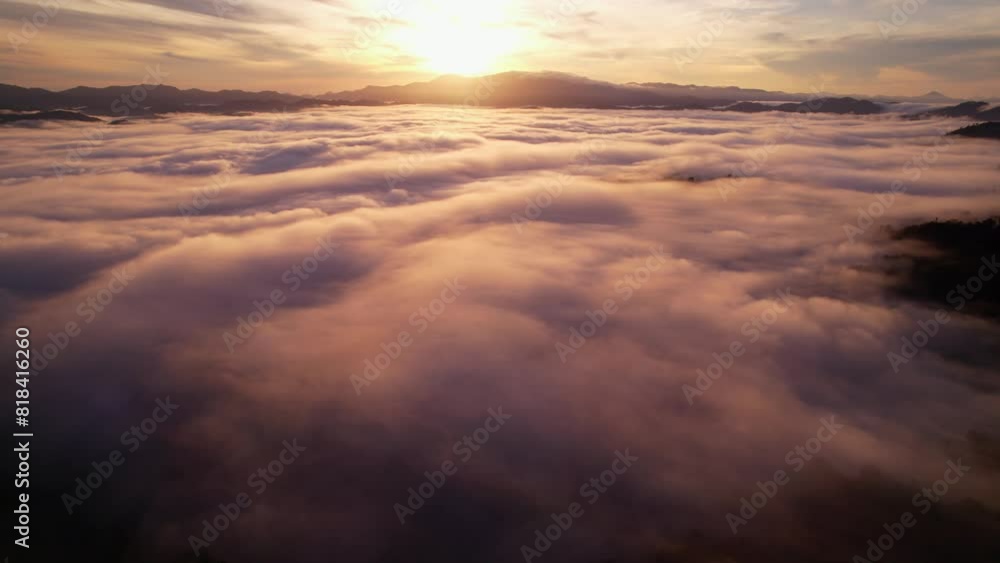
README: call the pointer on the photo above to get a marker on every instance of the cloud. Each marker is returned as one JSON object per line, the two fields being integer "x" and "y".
{"x": 945, "y": 58}
{"x": 543, "y": 217}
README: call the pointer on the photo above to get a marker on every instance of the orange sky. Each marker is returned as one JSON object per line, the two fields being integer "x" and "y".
{"x": 314, "y": 46}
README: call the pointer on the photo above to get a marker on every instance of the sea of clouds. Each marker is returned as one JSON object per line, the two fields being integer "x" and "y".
{"x": 579, "y": 269}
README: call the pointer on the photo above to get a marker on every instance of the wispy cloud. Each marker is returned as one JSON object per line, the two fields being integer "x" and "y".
{"x": 322, "y": 174}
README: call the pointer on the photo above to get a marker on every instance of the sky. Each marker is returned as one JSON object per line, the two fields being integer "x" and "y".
{"x": 316, "y": 46}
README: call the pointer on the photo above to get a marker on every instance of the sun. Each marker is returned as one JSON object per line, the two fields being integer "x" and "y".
{"x": 462, "y": 50}
{"x": 461, "y": 37}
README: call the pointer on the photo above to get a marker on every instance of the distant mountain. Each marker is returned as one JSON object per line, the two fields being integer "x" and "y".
{"x": 750, "y": 107}
{"x": 25, "y": 99}
{"x": 523, "y": 89}
{"x": 54, "y": 115}
{"x": 722, "y": 94}
{"x": 821, "y": 105}
{"x": 149, "y": 99}
{"x": 554, "y": 89}
{"x": 933, "y": 97}
{"x": 509, "y": 89}
{"x": 980, "y": 111}
{"x": 960, "y": 247}
{"x": 989, "y": 130}
{"x": 964, "y": 109}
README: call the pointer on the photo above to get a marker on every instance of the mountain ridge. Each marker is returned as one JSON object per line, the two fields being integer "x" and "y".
{"x": 502, "y": 90}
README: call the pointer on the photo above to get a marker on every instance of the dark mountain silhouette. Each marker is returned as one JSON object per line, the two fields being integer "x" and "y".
{"x": 554, "y": 89}
{"x": 974, "y": 110}
{"x": 24, "y": 99}
{"x": 935, "y": 96}
{"x": 722, "y": 94}
{"x": 150, "y": 99}
{"x": 964, "y": 109}
{"x": 989, "y": 115}
{"x": 957, "y": 251}
{"x": 522, "y": 89}
{"x": 988, "y": 130}
{"x": 820, "y": 105}
{"x": 509, "y": 89}
{"x": 750, "y": 107}
{"x": 54, "y": 115}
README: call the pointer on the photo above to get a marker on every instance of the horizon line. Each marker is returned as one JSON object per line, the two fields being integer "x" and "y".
{"x": 630, "y": 84}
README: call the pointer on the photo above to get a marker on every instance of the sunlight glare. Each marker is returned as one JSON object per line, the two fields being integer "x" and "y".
{"x": 459, "y": 37}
